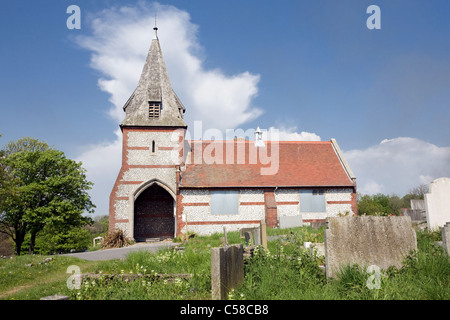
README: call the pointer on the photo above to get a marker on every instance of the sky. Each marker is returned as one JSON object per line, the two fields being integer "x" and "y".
{"x": 313, "y": 70}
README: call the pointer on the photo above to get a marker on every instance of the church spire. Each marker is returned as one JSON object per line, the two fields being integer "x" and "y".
{"x": 154, "y": 102}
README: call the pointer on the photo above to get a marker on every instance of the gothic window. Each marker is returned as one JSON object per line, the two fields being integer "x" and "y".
{"x": 154, "y": 110}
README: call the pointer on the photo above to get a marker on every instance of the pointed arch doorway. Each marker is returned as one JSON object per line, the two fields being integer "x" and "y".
{"x": 154, "y": 214}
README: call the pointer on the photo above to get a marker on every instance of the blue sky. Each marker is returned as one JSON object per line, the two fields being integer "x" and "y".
{"x": 308, "y": 68}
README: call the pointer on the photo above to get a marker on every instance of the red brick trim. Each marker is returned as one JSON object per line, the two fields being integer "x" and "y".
{"x": 121, "y": 221}
{"x": 122, "y": 198}
{"x": 138, "y": 148}
{"x": 251, "y": 203}
{"x": 270, "y": 208}
{"x": 168, "y": 148}
{"x": 179, "y": 211}
{"x": 288, "y": 203}
{"x": 196, "y": 204}
{"x": 339, "y": 202}
{"x": 354, "y": 203}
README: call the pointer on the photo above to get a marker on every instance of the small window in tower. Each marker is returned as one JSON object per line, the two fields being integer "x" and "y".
{"x": 154, "y": 110}
{"x": 153, "y": 146}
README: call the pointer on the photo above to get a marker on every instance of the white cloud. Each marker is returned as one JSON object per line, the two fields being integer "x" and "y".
{"x": 119, "y": 43}
{"x": 398, "y": 165}
{"x": 102, "y": 162}
{"x": 291, "y": 134}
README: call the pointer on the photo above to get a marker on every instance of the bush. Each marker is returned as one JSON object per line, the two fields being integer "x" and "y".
{"x": 51, "y": 241}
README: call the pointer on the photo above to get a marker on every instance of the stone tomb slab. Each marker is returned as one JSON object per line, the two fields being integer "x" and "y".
{"x": 366, "y": 241}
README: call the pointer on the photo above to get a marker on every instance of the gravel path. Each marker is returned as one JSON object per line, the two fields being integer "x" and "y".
{"x": 120, "y": 253}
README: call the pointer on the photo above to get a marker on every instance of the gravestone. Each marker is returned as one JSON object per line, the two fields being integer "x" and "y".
{"x": 263, "y": 229}
{"x": 437, "y": 203}
{"x": 446, "y": 237}
{"x": 290, "y": 222}
{"x": 417, "y": 212}
{"x": 367, "y": 240}
{"x": 258, "y": 235}
{"x": 227, "y": 270}
{"x": 248, "y": 234}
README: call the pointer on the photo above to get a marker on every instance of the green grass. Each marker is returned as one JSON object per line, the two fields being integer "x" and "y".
{"x": 285, "y": 271}
{"x": 28, "y": 277}
{"x": 425, "y": 275}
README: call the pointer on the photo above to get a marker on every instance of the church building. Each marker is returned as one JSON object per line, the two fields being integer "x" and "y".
{"x": 168, "y": 185}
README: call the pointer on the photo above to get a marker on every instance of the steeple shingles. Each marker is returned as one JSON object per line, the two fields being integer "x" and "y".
{"x": 154, "y": 86}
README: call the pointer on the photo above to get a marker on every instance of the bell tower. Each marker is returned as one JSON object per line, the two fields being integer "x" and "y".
{"x": 143, "y": 199}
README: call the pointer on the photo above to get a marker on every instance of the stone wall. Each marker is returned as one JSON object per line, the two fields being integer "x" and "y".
{"x": 196, "y": 212}
{"x": 148, "y": 156}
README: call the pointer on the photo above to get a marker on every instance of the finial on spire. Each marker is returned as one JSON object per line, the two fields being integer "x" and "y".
{"x": 156, "y": 29}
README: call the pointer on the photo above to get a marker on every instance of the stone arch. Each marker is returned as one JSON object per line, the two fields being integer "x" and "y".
{"x": 149, "y": 183}
{"x": 153, "y": 211}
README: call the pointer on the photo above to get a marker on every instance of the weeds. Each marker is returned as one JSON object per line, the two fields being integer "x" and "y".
{"x": 285, "y": 271}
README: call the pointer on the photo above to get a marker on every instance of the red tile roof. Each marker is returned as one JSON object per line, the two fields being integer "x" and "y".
{"x": 285, "y": 164}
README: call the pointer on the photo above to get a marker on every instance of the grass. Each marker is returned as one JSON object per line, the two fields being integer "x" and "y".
{"x": 285, "y": 271}
{"x": 29, "y": 277}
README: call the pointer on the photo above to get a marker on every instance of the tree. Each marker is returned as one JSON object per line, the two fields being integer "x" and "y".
{"x": 44, "y": 188}
{"x": 379, "y": 204}
{"x": 419, "y": 191}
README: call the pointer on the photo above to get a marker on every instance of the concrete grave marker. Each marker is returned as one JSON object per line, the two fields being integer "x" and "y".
{"x": 446, "y": 237}
{"x": 227, "y": 270}
{"x": 290, "y": 222}
{"x": 367, "y": 240}
{"x": 438, "y": 203}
